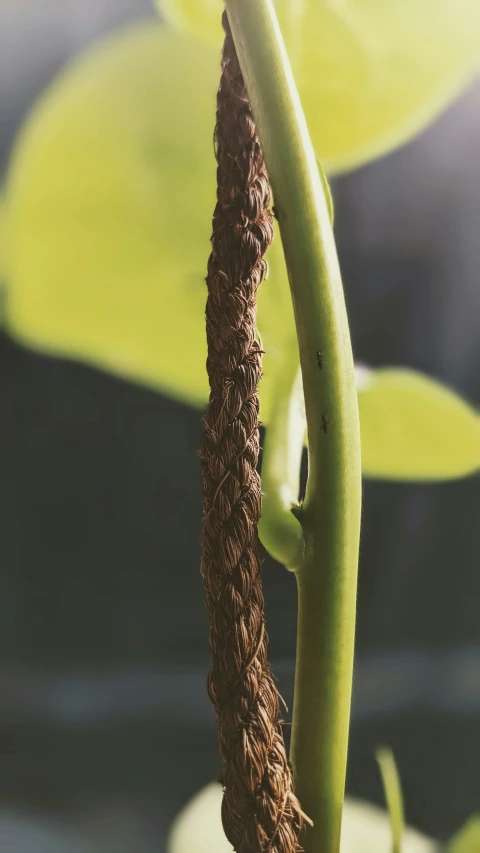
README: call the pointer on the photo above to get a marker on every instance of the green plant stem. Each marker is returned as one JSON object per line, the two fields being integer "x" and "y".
{"x": 330, "y": 515}
{"x": 393, "y": 794}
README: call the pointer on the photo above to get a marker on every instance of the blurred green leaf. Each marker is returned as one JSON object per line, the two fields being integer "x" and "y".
{"x": 467, "y": 839}
{"x": 365, "y": 828}
{"x": 109, "y": 203}
{"x": 413, "y": 428}
{"x": 370, "y": 74}
{"x": 393, "y": 795}
{"x": 2, "y": 238}
{"x": 110, "y": 199}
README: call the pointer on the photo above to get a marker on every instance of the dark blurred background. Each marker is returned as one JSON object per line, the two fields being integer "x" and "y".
{"x": 105, "y": 725}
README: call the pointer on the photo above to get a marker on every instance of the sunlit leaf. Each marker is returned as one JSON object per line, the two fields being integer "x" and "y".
{"x": 365, "y": 829}
{"x": 2, "y": 240}
{"x": 413, "y": 428}
{"x": 467, "y": 839}
{"x": 110, "y": 196}
{"x": 109, "y": 204}
{"x": 371, "y": 73}
{"x": 110, "y": 200}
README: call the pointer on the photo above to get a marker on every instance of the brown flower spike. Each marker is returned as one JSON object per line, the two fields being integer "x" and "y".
{"x": 260, "y": 811}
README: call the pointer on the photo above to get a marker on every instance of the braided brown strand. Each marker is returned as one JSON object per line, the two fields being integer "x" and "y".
{"x": 260, "y": 811}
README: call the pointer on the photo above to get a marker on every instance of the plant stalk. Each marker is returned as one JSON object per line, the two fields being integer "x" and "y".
{"x": 330, "y": 515}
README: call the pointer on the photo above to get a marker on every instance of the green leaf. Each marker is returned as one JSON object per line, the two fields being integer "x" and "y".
{"x": 365, "y": 828}
{"x": 414, "y": 428}
{"x": 370, "y": 74}
{"x": 467, "y": 839}
{"x": 109, "y": 203}
{"x": 393, "y": 795}
{"x": 110, "y": 199}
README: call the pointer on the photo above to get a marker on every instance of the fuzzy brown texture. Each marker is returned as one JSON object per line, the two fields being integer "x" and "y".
{"x": 260, "y": 811}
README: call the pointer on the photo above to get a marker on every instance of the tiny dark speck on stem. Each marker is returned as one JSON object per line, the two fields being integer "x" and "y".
{"x": 319, "y": 360}
{"x": 325, "y": 423}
